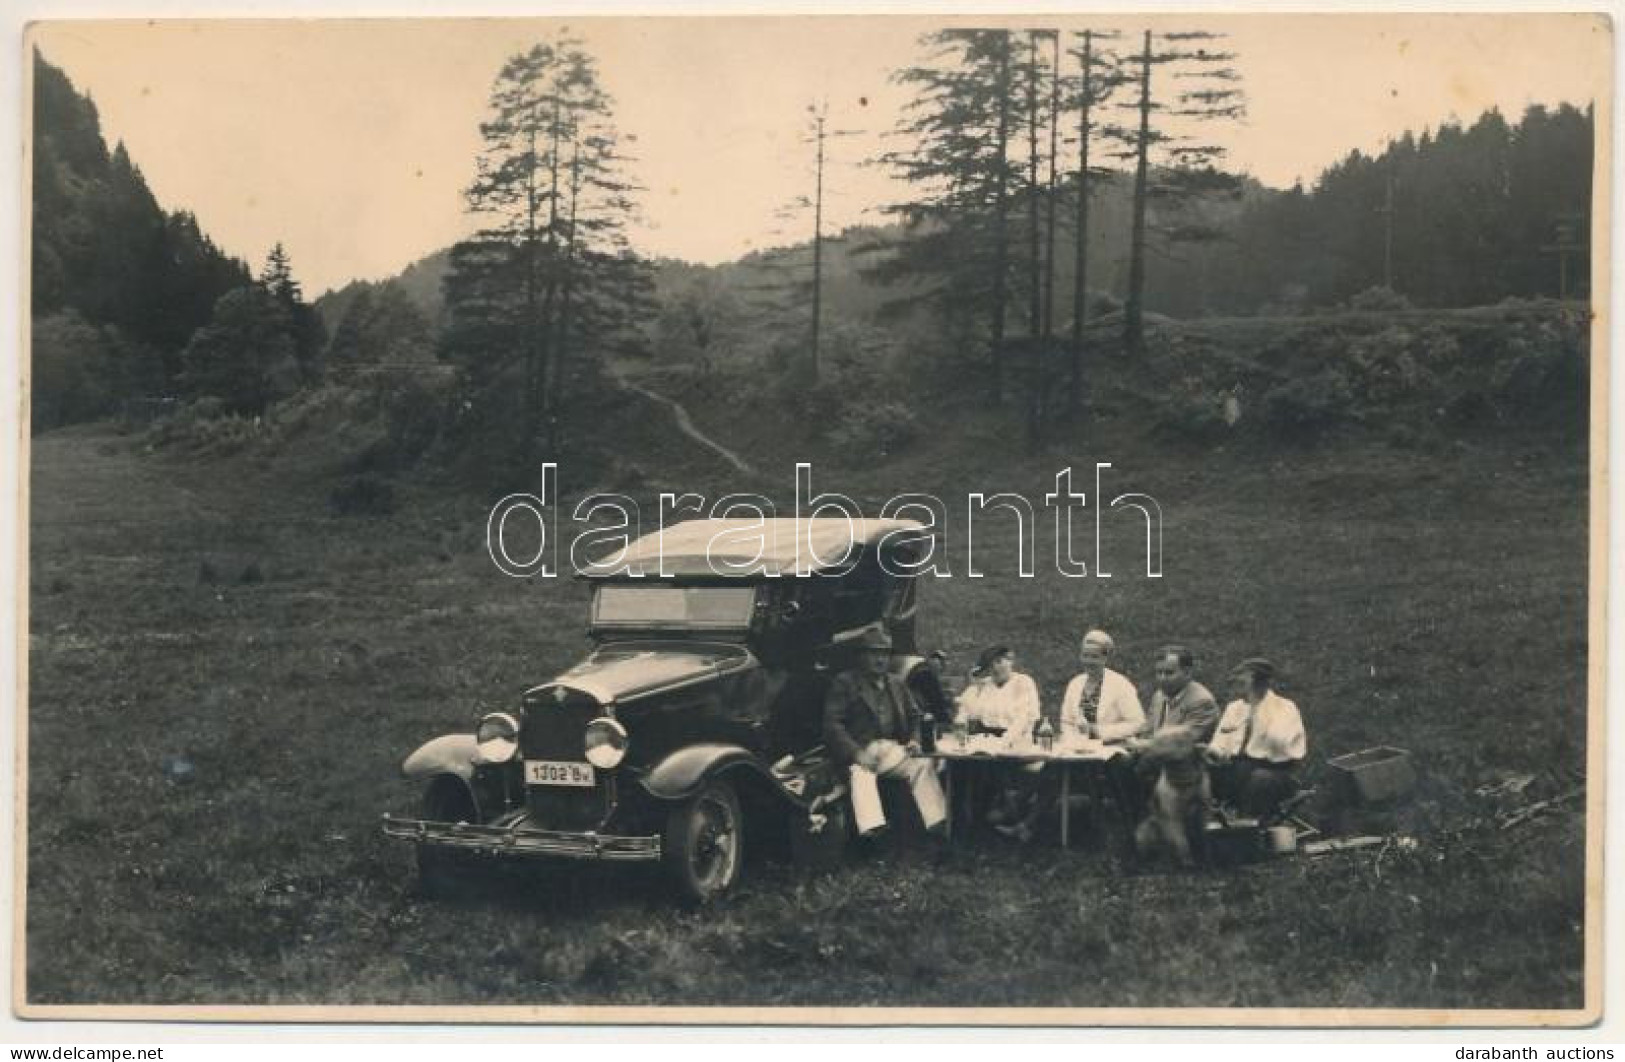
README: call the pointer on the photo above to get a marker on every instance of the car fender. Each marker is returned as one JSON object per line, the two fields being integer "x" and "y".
{"x": 903, "y": 665}
{"x": 451, "y": 754}
{"x": 681, "y": 774}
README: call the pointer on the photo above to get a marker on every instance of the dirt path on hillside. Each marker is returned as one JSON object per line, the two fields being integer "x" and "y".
{"x": 685, "y": 423}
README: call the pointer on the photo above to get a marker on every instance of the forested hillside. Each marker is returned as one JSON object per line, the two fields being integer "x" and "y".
{"x": 134, "y": 308}
{"x": 1457, "y": 216}
{"x": 119, "y": 285}
{"x": 1018, "y": 196}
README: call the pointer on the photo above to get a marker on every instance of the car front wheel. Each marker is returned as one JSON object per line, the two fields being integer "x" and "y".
{"x": 440, "y": 869}
{"x": 704, "y": 843}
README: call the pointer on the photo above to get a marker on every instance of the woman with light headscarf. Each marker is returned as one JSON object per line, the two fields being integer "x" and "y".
{"x": 1099, "y": 702}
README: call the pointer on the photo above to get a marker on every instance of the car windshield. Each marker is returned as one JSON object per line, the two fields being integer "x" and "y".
{"x": 673, "y": 606}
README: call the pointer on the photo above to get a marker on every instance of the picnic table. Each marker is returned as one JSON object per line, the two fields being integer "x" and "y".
{"x": 1067, "y": 752}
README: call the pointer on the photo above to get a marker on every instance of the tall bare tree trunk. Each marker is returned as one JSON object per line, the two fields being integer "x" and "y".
{"x": 1035, "y": 296}
{"x": 544, "y": 327}
{"x": 1035, "y": 264}
{"x": 1133, "y": 306}
{"x": 561, "y": 341}
{"x": 1080, "y": 269}
{"x": 1049, "y": 195}
{"x": 532, "y": 389}
{"x": 1000, "y": 209}
{"x": 818, "y": 252}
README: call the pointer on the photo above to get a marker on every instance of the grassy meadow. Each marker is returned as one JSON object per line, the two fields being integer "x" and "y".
{"x": 225, "y": 676}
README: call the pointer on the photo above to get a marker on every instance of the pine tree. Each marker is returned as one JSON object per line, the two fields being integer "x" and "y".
{"x": 1098, "y": 78}
{"x": 551, "y": 271}
{"x": 1186, "y": 163}
{"x": 245, "y": 357}
{"x": 954, "y": 251}
{"x": 305, "y": 326}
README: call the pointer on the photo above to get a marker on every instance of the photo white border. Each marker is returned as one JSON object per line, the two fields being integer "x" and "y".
{"x": 116, "y": 1023}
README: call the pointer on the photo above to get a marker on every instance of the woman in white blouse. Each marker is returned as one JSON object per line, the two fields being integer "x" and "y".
{"x": 1259, "y": 743}
{"x": 1099, "y": 702}
{"x": 999, "y": 697}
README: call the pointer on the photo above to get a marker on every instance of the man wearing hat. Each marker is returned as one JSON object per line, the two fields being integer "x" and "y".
{"x": 1259, "y": 744}
{"x": 1099, "y": 702}
{"x": 871, "y": 723}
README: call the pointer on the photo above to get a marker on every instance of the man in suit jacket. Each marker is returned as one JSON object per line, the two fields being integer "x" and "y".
{"x": 872, "y": 724}
{"x": 1180, "y": 701}
{"x": 1182, "y": 717}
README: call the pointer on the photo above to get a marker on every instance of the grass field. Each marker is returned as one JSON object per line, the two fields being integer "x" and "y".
{"x": 224, "y": 678}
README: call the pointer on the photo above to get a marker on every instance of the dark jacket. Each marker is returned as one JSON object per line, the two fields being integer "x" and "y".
{"x": 857, "y": 712}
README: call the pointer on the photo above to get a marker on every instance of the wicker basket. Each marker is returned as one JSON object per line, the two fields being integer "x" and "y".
{"x": 1378, "y": 775}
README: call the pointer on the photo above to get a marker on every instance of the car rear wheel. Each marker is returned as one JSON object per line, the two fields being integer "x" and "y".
{"x": 704, "y": 843}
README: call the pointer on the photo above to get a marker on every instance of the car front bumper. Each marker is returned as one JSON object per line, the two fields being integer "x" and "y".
{"x": 517, "y": 838}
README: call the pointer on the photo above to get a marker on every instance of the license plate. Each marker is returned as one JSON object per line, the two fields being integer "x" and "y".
{"x": 554, "y": 772}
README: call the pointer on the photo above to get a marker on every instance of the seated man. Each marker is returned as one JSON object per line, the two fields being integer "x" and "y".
{"x": 871, "y": 724}
{"x": 1180, "y": 701}
{"x": 1183, "y": 713}
{"x": 1259, "y": 745}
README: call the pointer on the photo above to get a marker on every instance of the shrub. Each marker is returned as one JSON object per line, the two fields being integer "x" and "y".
{"x": 1306, "y": 406}
{"x": 363, "y": 495}
{"x": 1439, "y": 351}
{"x": 1542, "y": 370}
{"x": 1384, "y": 370}
{"x": 1379, "y": 298}
{"x": 72, "y": 361}
{"x": 1101, "y": 303}
{"x": 205, "y": 426}
{"x": 872, "y": 429}
{"x": 412, "y": 415}
{"x": 1190, "y": 412}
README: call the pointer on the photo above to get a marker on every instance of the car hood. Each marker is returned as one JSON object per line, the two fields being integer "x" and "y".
{"x": 625, "y": 672}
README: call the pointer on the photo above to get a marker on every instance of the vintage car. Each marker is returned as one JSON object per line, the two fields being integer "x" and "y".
{"x": 693, "y": 726}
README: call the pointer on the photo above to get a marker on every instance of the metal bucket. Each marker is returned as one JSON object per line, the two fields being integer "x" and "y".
{"x": 1281, "y": 840}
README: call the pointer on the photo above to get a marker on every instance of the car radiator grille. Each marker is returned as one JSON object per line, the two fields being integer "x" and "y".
{"x": 553, "y": 730}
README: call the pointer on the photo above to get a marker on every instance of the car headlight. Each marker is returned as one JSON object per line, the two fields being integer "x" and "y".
{"x": 606, "y": 742}
{"x": 496, "y": 739}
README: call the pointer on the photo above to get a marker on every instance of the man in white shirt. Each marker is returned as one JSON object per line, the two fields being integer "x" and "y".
{"x": 1259, "y": 744}
{"x": 1099, "y": 702}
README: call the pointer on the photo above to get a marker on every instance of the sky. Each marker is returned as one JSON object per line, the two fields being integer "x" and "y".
{"x": 351, "y": 141}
